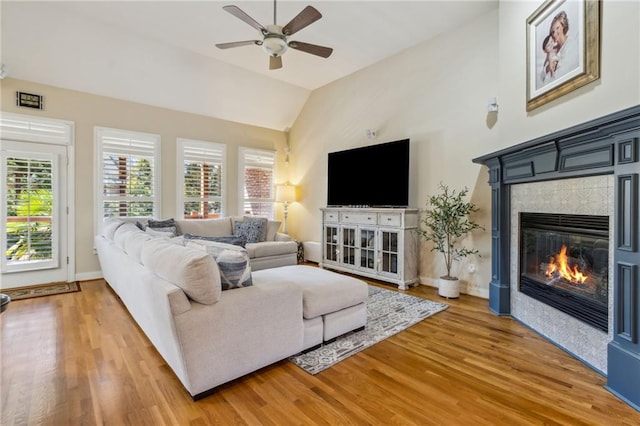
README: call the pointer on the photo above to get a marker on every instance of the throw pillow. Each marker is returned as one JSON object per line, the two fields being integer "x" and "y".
{"x": 161, "y": 223}
{"x": 229, "y": 239}
{"x": 235, "y": 269}
{"x": 161, "y": 232}
{"x": 264, "y": 225}
{"x": 233, "y": 262}
{"x": 250, "y": 230}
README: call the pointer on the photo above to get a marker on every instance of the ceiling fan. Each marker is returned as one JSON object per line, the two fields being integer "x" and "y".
{"x": 275, "y": 37}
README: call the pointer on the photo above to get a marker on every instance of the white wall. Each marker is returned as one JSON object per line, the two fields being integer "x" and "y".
{"x": 436, "y": 95}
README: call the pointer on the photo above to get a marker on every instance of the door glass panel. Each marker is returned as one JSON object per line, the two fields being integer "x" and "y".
{"x": 29, "y": 219}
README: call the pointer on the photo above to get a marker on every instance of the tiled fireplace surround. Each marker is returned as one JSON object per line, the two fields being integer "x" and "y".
{"x": 592, "y": 168}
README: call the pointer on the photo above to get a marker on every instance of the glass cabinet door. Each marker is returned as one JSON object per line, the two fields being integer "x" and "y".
{"x": 349, "y": 246}
{"x": 389, "y": 252}
{"x": 331, "y": 242}
{"x": 368, "y": 249}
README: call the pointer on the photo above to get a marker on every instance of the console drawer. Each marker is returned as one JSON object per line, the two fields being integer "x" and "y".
{"x": 358, "y": 218}
{"x": 390, "y": 219}
{"x": 331, "y": 216}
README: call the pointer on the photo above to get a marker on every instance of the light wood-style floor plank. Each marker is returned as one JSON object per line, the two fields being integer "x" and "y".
{"x": 79, "y": 358}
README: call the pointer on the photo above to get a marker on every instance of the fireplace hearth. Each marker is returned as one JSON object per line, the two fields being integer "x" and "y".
{"x": 564, "y": 262}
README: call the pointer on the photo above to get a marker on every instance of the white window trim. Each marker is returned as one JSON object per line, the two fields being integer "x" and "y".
{"x": 98, "y": 133}
{"x": 241, "y": 165}
{"x": 181, "y": 142}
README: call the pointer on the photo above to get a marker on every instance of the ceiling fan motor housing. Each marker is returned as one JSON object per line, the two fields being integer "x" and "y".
{"x": 274, "y": 42}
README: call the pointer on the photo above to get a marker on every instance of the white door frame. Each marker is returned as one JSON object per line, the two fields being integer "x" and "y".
{"x": 35, "y": 129}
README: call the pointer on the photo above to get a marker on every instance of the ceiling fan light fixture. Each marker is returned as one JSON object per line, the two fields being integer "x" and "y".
{"x": 274, "y": 45}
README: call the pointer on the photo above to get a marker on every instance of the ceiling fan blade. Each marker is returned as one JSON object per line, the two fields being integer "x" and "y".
{"x": 308, "y": 16}
{"x": 237, "y": 44}
{"x": 275, "y": 62}
{"x": 238, "y": 13}
{"x": 314, "y": 49}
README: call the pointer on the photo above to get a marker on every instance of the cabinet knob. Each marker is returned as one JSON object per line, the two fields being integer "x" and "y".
{"x": 388, "y": 219}
{"x": 368, "y": 218}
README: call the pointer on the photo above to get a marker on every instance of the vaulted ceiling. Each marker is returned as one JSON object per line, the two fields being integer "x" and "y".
{"x": 163, "y": 52}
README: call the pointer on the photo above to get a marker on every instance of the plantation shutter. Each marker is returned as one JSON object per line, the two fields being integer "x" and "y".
{"x": 257, "y": 177}
{"x": 129, "y": 173}
{"x": 203, "y": 164}
{"x": 28, "y": 215}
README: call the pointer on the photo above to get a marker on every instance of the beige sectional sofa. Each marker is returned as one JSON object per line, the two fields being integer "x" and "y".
{"x": 277, "y": 250}
{"x": 209, "y": 336}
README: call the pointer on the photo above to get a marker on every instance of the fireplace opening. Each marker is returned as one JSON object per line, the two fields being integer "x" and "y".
{"x": 564, "y": 262}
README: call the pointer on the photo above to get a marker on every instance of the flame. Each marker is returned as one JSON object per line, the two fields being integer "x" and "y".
{"x": 559, "y": 267}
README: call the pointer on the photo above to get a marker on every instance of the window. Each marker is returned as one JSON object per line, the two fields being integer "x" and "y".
{"x": 201, "y": 178}
{"x": 256, "y": 180}
{"x": 128, "y": 170}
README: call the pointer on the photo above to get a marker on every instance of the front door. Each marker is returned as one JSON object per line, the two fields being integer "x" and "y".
{"x": 33, "y": 214}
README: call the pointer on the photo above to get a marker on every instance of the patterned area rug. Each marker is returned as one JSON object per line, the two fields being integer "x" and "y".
{"x": 41, "y": 290}
{"x": 388, "y": 313}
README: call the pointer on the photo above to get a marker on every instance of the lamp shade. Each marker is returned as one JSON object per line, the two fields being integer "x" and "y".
{"x": 285, "y": 193}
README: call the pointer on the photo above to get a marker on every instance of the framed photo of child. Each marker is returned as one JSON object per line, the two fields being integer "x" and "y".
{"x": 563, "y": 49}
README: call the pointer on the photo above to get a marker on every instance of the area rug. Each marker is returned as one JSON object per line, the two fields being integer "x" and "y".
{"x": 388, "y": 313}
{"x": 41, "y": 290}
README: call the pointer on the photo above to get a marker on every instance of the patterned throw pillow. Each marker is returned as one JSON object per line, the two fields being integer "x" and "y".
{"x": 250, "y": 230}
{"x": 235, "y": 269}
{"x": 229, "y": 239}
{"x": 161, "y": 223}
{"x": 233, "y": 262}
{"x": 264, "y": 223}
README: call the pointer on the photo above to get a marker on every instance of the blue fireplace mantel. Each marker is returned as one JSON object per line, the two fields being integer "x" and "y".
{"x": 606, "y": 145}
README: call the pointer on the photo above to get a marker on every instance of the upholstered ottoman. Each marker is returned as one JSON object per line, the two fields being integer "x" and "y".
{"x": 333, "y": 304}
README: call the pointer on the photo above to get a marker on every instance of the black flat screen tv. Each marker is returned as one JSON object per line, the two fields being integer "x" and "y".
{"x": 370, "y": 176}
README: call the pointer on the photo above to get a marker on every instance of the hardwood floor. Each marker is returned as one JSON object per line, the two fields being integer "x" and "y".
{"x": 79, "y": 358}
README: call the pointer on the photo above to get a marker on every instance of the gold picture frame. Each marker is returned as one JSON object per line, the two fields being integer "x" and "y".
{"x": 563, "y": 49}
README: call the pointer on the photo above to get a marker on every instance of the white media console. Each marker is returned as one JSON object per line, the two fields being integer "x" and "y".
{"x": 379, "y": 243}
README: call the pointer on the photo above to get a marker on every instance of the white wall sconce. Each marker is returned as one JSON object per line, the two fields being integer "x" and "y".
{"x": 3, "y": 71}
{"x": 285, "y": 194}
{"x": 492, "y": 105}
{"x": 371, "y": 134}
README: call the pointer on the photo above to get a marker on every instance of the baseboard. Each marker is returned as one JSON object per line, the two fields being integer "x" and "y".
{"x": 88, "y": 276}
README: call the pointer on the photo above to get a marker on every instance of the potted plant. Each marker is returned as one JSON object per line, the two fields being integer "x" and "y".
{"x": 444, "y": 223}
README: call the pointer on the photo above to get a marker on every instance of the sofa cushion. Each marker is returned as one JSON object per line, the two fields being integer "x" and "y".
{"x": 228, "y": 239}
{"x": 272, "y": 229}
{"x": 194, "y": 271}
{"x": 271, "y": 248}
{"x": 250, "y": 230}
{"x": 134, "y": 243}
{"x": 109, "y": 227}
{"x": 233, "y": 262}
{"x": 323, "y": 291}
{"x": 206, "y": 227}
{"x": 122, "y": 233}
